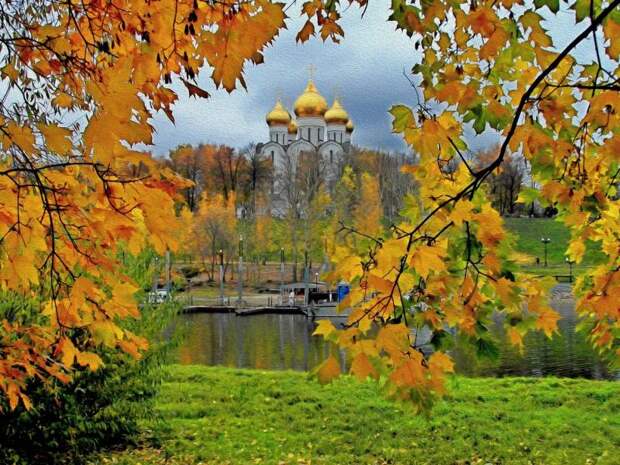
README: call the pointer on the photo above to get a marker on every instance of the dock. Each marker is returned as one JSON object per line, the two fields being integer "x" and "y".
{"x": 246, "y": 311}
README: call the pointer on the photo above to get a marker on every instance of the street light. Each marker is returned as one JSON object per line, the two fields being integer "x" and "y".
{"x": 545, "y": 241}
{"x": 240, "y": 273}
{"x": 221, "y": 254}
{"x": 281, "y": 275}
{"x": 570, "y": 269}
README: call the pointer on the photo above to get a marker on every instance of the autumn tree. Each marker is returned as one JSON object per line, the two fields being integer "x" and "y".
{"x": 81, "y": 82}
{"x": 215, "y": 228}
{"x": 225, "y": 167}
{"x": 256, "y": 179}
{"x": 368, "y": 212}
{"x": 301, "y": 199}
{"x": 487, "y": 65}
{"x": 505, "y": 183}
{"x": 187, "y": 162}
{"x": 394, "y": 184}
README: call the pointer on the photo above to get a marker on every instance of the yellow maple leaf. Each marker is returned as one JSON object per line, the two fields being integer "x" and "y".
{"x": 324, "y": 328}
{"x": 57, "y": 139}
{"x": 426, "y": 258}
{"x": 90, "y": 359}
{"x": 575, "y": 250}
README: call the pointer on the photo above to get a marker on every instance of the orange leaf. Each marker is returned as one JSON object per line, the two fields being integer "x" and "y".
{"x": 328, "y": 370}
{"x": 362, "y": 368}
{"x": 547, "y": 321}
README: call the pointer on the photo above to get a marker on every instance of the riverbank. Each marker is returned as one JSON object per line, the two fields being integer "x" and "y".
{"x": 230, "y": 416}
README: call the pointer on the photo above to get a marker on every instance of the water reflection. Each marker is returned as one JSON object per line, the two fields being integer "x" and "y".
{"x": 566, "y": 354}
{"x": 270, "y": 342}
{"x": 278, "y": 342}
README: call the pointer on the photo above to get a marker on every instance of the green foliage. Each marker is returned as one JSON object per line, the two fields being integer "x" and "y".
{"x": 221, "y": 415}
{"x": 96, "y": 409}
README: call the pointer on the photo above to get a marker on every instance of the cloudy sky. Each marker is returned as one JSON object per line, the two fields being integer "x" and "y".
{"x": 365, "y": 69}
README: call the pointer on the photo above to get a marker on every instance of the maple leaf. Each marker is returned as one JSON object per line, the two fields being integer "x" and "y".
{"x": 411, "y": 373}
{"x": 440, "y": 363}
{"x": 324, "y": 328}
{"x": 305, "y": 32}
{"x": 328, "y": 370}
{"x": 362, "y": 368}
{"x": 506, "y": 291}
{"x": 575, "y": 250}
{"x": 57, "y": 139}
{"x": 515, "y": 337}
{"x": 90, "y": 359}
{"x": 426, "y": 259}
{"x": 547, "y": 320}
{"x": 394, "y": 339}
{"x": 194, "y": 90}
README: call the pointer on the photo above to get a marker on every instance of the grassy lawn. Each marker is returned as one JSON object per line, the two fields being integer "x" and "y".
{"x": 230, "y": 416}
{"x": 529, "y": 231}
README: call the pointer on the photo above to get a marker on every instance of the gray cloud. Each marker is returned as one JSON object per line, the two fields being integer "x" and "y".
{"x": 365, "y": 69}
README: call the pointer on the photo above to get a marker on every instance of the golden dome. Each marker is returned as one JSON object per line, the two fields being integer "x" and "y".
{"x": 336, "y": 114}
{"x": 310, "y": 102}
{"x": 279, "y": 116}
{"x": 349, "y": 126}
{"x": 292, "y": 127}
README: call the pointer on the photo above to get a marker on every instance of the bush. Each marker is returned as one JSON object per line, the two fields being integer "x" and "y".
{"x": 190, "y": 271}
{"x": 95, "y": 410}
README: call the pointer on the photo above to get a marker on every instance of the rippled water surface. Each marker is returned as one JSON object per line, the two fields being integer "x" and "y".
{"x": 278, "y": 342}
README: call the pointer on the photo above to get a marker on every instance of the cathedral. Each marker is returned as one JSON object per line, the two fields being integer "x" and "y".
{"x": 316, "y": 128}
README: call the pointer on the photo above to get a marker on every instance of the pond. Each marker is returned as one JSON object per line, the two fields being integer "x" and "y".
{"x": 280, "y": 342}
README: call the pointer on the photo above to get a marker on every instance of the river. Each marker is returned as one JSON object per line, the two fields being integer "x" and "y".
{"x": 280, "y": 342}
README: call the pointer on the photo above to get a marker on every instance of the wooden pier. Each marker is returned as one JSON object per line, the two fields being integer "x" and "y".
{"x": 246, "y": 311}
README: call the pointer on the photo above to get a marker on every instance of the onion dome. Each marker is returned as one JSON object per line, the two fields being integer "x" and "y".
{"x": 279, "y": 116}
{"x": 292, "y": 127}
{"x": 310, "y": 102}
{"x": 336, "y": 114}
{"x": 349, "y": 126}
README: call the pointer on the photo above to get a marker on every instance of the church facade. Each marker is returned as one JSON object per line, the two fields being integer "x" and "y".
{"x": 316, "y": 128}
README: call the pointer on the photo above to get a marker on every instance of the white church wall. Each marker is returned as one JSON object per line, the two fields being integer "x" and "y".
{"x": 331, "y": 153}
{"x": 311, "y": 128}
{"x": 278, "y": 134}
{"x": 336, "y": 132}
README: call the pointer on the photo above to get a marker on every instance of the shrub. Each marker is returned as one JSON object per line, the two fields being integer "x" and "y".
{"x": 95, "y": 410}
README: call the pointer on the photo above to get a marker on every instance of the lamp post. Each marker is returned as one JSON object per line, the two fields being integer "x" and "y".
{"x": 281, "y": 275}
{"x": 570, "y": 269}
{"x": 306, "y": 277}
{"x": 221, "y": 254}
{"x": 240, "y": 273}
{"x": 155, "y": 274}
{"x": 545, "y": 241}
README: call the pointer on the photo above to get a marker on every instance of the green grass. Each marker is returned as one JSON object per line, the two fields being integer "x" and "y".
{"x": 230, "y": 416}
{"x": 529, "y": 231}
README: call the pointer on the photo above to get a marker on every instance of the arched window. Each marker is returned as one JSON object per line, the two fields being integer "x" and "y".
{"x": 272, "y": 157}
{"x": 331, "y": 156}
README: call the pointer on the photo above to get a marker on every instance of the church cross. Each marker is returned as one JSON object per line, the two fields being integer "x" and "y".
{"x": 337, "y": 94}
{"x": 311, "y": 71}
